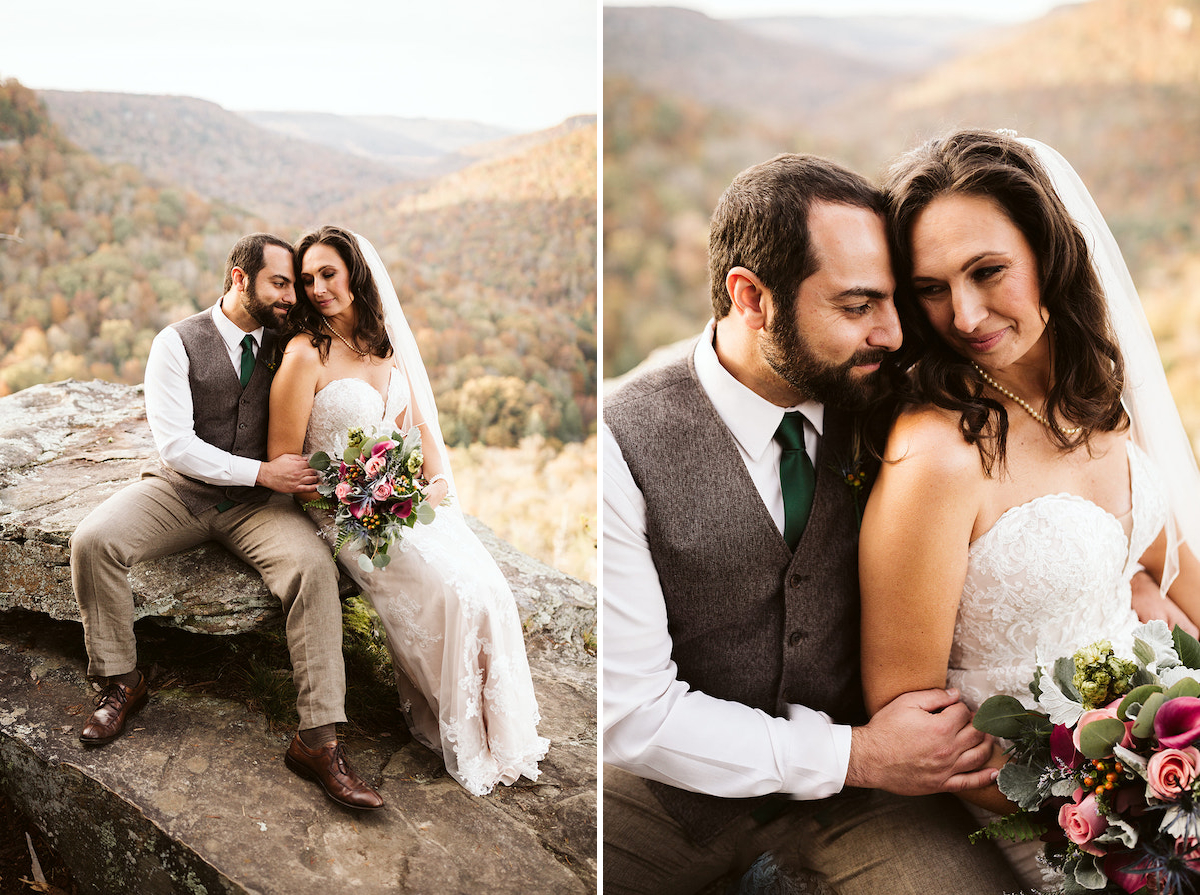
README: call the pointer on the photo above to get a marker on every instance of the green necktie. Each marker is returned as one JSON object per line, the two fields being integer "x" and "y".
{"x": 796, "y": 477}
{"x": 247, "y": 359}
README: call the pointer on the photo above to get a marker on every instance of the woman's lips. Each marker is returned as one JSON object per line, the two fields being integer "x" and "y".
{"x": 985, "y": 343}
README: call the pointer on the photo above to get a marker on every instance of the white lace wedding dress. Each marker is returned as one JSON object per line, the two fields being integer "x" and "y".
{"x": 451, "y": 621}
{"x": 1052, "y": 575}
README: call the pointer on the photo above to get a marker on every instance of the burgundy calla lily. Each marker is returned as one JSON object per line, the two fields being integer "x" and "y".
{"x": 1117, "y": 867}
{"x": 1177, "y": 723}
{"x": 1062, "y": 748}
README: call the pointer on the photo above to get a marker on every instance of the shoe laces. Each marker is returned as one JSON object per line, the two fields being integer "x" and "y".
{"x": 114, "y": 692}
{"x": 339, "y": 755}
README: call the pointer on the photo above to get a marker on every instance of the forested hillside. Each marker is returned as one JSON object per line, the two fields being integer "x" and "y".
{"x": 220, "y": 155}
{"x": 495, "y": 267}
{"x": 95, "y": 259}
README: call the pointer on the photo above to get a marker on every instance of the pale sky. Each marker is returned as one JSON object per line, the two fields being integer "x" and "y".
{"x": 520, "y": 64}
{"x": 1006, "y": 11}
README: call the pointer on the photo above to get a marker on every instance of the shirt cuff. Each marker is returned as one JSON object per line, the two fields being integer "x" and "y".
{"x": 244, "y": 471}
{"x": 820, "y": 755}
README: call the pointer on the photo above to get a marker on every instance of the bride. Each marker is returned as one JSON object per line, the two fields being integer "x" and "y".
{"x": 1024, "y": 481}
{"x": 451, "y": 621}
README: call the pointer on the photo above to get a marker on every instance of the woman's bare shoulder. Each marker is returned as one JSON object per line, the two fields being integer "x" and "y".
{"x": 928, "y": 440}
{"x": 300, "y": 349}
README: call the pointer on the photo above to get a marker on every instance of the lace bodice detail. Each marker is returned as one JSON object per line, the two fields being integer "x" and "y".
{"x": 345, "y": 404}
{"x": 1050, "y": 576}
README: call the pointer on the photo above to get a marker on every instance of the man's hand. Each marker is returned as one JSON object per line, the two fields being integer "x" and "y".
{"x": 1149, "y": 603}
{"x": 920, "y": 743}
{"x": 287, "y": 474}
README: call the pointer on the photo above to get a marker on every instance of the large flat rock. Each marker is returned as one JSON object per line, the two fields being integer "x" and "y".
{"x": 195, "y": 798}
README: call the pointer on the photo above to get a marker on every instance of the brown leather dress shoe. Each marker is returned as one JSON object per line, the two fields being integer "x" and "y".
{"x": 115, "y": 705}
{"x": 330, "y": 767}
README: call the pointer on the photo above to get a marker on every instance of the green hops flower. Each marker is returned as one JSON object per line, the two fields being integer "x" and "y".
{"x": 415, "y": 461}
{"x": 1100, "y": 677}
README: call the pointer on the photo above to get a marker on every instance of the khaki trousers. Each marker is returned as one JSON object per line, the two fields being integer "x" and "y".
{"x": 862, "y": 843}
{"x": 147, "y": 520}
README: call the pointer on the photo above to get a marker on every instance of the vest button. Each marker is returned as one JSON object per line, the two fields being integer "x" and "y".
{"x": 241, "y": 425}
{"x": 795, "y": 638}
{"x": 797, "y": 579}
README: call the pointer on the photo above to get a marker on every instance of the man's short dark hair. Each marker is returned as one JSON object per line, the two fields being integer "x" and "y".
{"x": 247, "y": 255}
{"x": 761, "y": 223}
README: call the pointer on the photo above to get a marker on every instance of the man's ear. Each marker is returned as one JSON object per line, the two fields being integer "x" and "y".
{"x": 239, "y": 279}
{"x": 750, "y": 299}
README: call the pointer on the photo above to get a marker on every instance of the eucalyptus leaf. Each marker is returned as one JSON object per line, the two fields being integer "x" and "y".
{"x": 1187, "y": 647}
{"x": 319, "y": 461}
{"x": 1136, "y": 696}
{"x": 352, "y": 453}
{"x": 1096, "y": 740}
{"x": 425, "y": 514}
{"x": 1185, "y": 686}
{"x": 380, "y": 560}
{"x": 999, "y": 716}
{"x": 364, "y": 563}
{"x": 1143, "y": 727}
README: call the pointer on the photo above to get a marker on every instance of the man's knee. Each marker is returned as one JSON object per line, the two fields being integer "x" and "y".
{"x": 95, "y": 537}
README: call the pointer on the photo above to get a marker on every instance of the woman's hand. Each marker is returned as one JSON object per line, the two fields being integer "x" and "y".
{"x": 435, "y": 492}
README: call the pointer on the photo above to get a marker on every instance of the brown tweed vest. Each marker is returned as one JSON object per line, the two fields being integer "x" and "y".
{"x": 749, "y": 621}
{"x": 225, "y": 415}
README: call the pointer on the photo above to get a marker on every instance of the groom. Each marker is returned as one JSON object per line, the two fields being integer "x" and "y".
{"x": 208, "y": 380}
{"x": 733, "y": 712}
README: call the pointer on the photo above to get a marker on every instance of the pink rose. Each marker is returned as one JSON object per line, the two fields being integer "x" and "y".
{"x": 1109, "y": 711}
{"x": 1172, "y": 771}
{"x": 374, "y": 466}
{"x": 1083, "y": 822}
{"x": 342, "y": 491}
{"x": 382, "y": 491}
{"x": 1177, "y": 723}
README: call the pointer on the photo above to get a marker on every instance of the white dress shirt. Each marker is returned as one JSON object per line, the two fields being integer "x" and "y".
{"x": 169, "y": 408}
{"x": 654, "y": 726}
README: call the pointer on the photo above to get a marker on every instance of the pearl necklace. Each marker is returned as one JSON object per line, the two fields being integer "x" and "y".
{"x": 342, "y": 340}
{"x": 1021, "y": 402}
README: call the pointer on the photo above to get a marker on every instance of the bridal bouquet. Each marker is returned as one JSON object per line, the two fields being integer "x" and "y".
{"x": 1106, "y": 769}
{"x": 375, "y": 493}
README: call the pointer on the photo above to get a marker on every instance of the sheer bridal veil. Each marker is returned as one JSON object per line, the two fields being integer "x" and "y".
{"x": 407, "y": 354}
{"x": 1156, "y": 426}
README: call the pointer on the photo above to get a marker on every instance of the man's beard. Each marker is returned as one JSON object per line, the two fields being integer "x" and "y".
{"x": 788, "y": 353}
{"x": 258, "y": 309}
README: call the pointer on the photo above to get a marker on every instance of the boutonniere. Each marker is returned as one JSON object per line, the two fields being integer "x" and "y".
{"x": 855, "y": 477}
{"x": 854, "y": 471}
